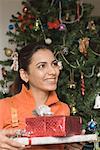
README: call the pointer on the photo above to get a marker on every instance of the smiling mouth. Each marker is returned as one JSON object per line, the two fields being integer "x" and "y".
{"x": 51, "y": 80}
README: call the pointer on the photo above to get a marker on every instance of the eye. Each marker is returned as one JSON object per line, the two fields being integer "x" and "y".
{"x": 55, "y": 64}
{"x": 41, "y": 66}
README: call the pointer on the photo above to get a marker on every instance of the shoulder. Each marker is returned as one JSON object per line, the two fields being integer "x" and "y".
{"x": 65, "y": 107}
{"x": 7, "y": 101}
{"x": 61, "y": 108}
{"x": 58, "y": 107}
{"x": 4, "y": 102}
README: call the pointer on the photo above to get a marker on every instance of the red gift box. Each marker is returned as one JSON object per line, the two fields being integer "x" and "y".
{"x": 41, "y": 126}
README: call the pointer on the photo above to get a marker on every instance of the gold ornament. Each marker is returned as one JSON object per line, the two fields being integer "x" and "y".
{"x": 8, "y": 52}
{"x": 73, "y": 110}
{"x": 67, "y": 16}
{"x": 91, "y": 26}
{"x": 83, "y": 45}
{"x": 71, "y": 83}
{"x": 36, "y": 25}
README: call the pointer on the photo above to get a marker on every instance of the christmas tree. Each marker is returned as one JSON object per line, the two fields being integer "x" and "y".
{"x": 66, "y": 25}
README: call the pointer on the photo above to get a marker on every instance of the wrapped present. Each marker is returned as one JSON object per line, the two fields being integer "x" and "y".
{"x": 42, "y": 126}
{"x": 57, "y": 140}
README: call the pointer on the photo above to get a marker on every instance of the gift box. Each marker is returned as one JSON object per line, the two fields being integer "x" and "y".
{"x": 57, "y": 140}
{"x": 41, "y": 126}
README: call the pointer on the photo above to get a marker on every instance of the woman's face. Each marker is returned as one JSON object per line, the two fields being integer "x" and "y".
{"x": 43, "y": 71}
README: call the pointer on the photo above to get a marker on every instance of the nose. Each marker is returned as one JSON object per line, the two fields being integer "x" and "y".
{"x": 51, "y": 70}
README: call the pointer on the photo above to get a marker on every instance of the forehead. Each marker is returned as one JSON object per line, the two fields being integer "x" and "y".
{"x": 43, "y": 55}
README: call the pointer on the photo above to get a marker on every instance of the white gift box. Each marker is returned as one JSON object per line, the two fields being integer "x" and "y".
{"x": 56, "y": 140}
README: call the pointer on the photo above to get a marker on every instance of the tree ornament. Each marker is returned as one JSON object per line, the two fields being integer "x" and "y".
{"x": 22, "y": 27}
{"x": 36, "y": 25}
{"x": 11, "y": 26}
{"x": 78, "y": 10}
{"x": 92, "y": 125}
{"x": 4, "y": 73}
{"x": 8, "y": 51}
{"x": 30, "y": 16}
{"x": 60, "y": 65}
{"x": 73, "y": 109}
{"x": 25, "y": 9}
{"x": 31, "y": 26}
{"x": 97, "y": 101}
{"x": 14, "y": 57}
{"x": 67, "y": 16}
{"x": 48, "y": 41}
{"x": 62, "y": 27}
{"x": 20, "y": 17}
{"x": 54, "y": 25}
{"x": 91, "y": 26}
{"x": 5, "y": 89}
{"x": 83, "y": 46}
{"x": 71, "y": 82}
{"x": 82, "y": 84}
{"x": 65, "y": 50}
{"x": 98, "y": 74}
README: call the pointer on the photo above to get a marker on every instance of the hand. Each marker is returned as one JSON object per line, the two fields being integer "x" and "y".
{"x": 6, "y": 143}
{"x": 75, "y": 146}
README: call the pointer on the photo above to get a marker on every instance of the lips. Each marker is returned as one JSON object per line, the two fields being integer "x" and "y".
{"x": 51, "y": 80}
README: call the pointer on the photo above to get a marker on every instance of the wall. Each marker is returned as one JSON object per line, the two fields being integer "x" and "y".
{"x": 96, "y": 4}
{"x": 7, "y": 8}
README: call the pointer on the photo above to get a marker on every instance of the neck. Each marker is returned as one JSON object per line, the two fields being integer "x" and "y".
{"x": 40, "y": 97}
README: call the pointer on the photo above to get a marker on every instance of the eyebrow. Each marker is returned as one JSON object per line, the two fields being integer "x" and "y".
{"x": 43, "y": 62}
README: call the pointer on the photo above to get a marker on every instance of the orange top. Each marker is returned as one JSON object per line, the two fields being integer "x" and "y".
{"x": 22, "y": 105}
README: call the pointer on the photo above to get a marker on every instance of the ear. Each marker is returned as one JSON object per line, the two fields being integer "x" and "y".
{"x": 23, "y": 75}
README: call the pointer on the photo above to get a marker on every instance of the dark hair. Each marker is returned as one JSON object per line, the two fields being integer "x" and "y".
{"x": 24, "y": 59}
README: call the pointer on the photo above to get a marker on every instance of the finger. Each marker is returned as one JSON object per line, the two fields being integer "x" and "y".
{"x": 83, "y": 132}
{"x": 15, "y": 144}
{"x": 8, "y": 132}
{"x": 5, "y": 146}
{"x": 10, "y": 143}
{"x": 74, "y": 146}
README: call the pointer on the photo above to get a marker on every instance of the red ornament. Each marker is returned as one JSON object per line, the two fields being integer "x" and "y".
{"x": 78, "y": 10}
{"x": 31, "y": 26}
{"x": 54, "y": 25}
{"x": 30, "y": 16}
{"x": 20, "y": 17}
{"x": 22, "y": 27}
{"x": 26, "y": 21}
{"x": 82, "y": 85}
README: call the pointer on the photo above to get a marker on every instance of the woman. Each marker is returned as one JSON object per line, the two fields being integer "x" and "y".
{"x": 37, "y": 82}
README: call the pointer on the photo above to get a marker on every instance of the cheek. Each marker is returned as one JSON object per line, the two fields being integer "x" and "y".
{"x": 35, "y": 80}
{"x": 36, "y": 76}
{"x": 58, "y": 72}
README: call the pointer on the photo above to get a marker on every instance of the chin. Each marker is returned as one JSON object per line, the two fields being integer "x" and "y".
{"x": 52, "y": 88}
